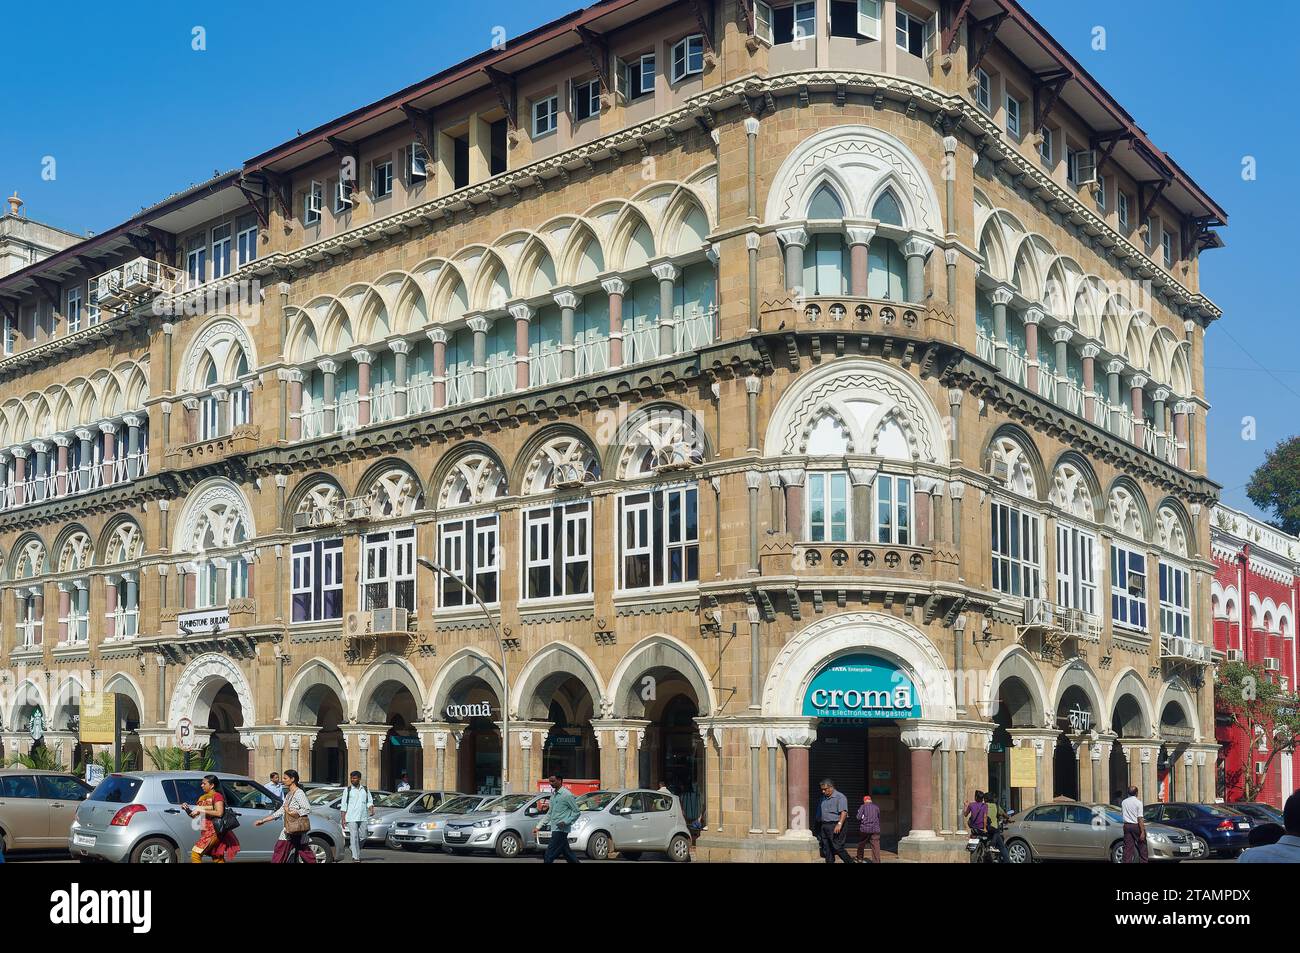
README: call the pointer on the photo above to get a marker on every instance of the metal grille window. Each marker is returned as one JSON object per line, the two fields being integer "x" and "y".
{"x": 1076, "y": 569}
{"x": 316, "y": 587}
{"x": 1128, "y": 588}
{"x": 659, "y": 537}
{"x": 469, "y": 552}
{"x": 1016, "y": 556}
{"x": 893, "y": 509}
{"x": 1175, "y": 601}
{"x": 557, "y": 556}
{"x": 828, "y": 507}
{"x": 388, "y": 570}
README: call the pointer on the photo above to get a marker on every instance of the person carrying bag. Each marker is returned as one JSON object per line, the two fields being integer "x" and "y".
{"x": 296, "y": 811}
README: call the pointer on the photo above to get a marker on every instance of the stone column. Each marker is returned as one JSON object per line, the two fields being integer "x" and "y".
{"x": 1061, "y": 337}
{"x": 567, "y": 302}
{"x": 401, "y": 377}
{"x": 859, "y": 239}
{"x": 329, "y": 370}
{"x": 917, "y": 249}
{"x": 191, "y": 405}
{"x": 777, "y": 502}
{"x": 753, "y": 480}
{"x": 109, "y": 430}
{"x": 1160, "y": 397}
{"x": 65, "y": 610}
{"x": 921, "y": 742}
{"x": 793, "y": 241}
{"x": 222, "y": 397}
{"x": 439, "y": 338}
{"x": 796, "y": 742}
{"x": 294, "y": 377}
{"x": 1032, "y": 318}
{"x": 753, "y": 384}
{"x": 522, "y": 315}
{"x": 479, "y": 325}
{"x": 755, "y": 780}
{"x": 110, "y": 607}
{"x": 667, "y": 273}
{"x": 1090, "y": 352}
{"x": 861, "y": 479}
{"x": 1138, "y": 382}
{"x": 1001, "y": 297}
{"x": 793, "y": 480}
{"x": 38, "y": 609}
{"x": 615, "y": 288}
{"x": 133, "y": 423}
{"x": 363, "y": 359}
{"x": 62, "y": 486}
{"x": 1113, "y": 370}
{"x": 42, "y": 451}
{"x": 751, "y": 158}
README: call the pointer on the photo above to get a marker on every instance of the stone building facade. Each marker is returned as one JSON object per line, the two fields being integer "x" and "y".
{"x": 767, "y": 400}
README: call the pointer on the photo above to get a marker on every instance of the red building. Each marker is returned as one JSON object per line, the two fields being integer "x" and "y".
{"x": 1254, "y": 602}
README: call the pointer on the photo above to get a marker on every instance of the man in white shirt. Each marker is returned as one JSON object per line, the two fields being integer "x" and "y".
{"x": 403, "y": 782}
{"x": 1287, "y": 849}
{"x": 357, "y": 807}
{"x": 274, "y": 785}
{"x": 1135, "y": 829}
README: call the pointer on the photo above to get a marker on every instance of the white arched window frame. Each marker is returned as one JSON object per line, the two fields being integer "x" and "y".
{"x": 557, "y": 535}
{"x": 1077, "y": 552}
{"x": 1129, "y": 562}
{"x": 1016, "y": 525}
{"x": 469, "y": 545}
{"x": 387, "y": 578}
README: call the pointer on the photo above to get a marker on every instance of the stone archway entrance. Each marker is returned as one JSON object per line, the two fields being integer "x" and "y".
{"x": 214, "y": 694}
{"x": 1016, "y": 708}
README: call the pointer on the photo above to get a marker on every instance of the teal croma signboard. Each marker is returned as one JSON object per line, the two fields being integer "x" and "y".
{"x": 861, "y": 686}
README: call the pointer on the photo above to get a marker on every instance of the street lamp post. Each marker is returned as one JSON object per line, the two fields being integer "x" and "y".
{"x": 434, "y": 568}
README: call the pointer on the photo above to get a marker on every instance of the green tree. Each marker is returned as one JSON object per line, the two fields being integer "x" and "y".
{"x": 42, "y": 758}
{"x": 105, "y": 760}
{"x": 173, "y": 759}
{"x": 1260, "y": 708}
{"x": 1275, "y": 485}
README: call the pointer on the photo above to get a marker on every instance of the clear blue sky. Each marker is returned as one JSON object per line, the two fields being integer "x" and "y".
{"x": 131, "y": 113}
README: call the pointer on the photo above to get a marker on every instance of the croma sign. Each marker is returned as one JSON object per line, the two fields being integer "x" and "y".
{"x": 475, "y": 710}
{"x": 861, "y": 686}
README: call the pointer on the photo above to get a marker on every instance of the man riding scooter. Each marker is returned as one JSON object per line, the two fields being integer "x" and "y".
{"x": 981, "y": 813}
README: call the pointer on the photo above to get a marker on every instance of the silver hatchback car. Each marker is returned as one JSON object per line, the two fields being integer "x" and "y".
{"x": 421, "y": 826}
{"x": 504, "y": 825}
{"x": 136, "y": 817}
{"x": 630, "y": 822}
{"x": 1071, "y": 830}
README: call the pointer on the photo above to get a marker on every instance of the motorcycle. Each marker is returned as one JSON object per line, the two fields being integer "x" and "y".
{"x": 981, "y": 849}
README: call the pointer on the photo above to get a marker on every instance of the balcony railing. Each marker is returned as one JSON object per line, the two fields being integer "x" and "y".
{"x": 1070, "y": 396}
{"x": 591, "y": 356}
{"x": 544, "y": 367}
{"x": 78, "y": 479}
{"x": 136, "y": 282}
{"x": 242, "y": 439}
{"x": 985, "y": 349}
{"x": 1047, "y": 384}
{"x": 460, "y": 386}
{"x": 1017, "y": 366}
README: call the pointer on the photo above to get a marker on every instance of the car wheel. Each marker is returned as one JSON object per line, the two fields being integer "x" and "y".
{"x": 630, "y": 854}
{"x": 1117, "y": 852}
{"x": 154, "y": 850}
{"x": 1200, "y": 850}
{"x": 321, "y": 848}
{"x": 509, "y": 844}
{"x": 1019, "y": 852}
{"x": 679, "y": 849}
{"x": 598, "y": 846}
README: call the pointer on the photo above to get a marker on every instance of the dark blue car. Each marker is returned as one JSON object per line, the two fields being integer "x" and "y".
{"x": 1222, "y": 830}
{"x": 1258, "y": 812}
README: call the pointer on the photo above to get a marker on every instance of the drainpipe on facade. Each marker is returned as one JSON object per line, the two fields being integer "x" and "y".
{"x": 1244, "y": 625}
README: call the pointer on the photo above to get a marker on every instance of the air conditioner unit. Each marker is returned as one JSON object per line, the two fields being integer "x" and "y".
{"x": 1038, "y": 612}
{"x": 356, "y": 624}
{"x": 1272, "y": 664}
{"x": 569, "y": 475}
{"x": 109, "y": 289}
{"x": 1236, "y": 655}
{"x": 137, "y": 276}
{"x": 679, "y": 456}
{"x": 389, "y": 620}
{"x": 1137, "y": 584}
{"x": 999, "y": 468}
{"x": 356, "y": 508}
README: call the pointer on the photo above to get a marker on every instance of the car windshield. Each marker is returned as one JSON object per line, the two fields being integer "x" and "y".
{"x": 1215, "y": 810}
{"x": 116, "y": 789}
{"x": 596, "y": 800}
{"x": 507, "y": 803}
{"x": 323, "y": 795}
{"x": 459, "y": 805}
{"x": 400, "y": 799}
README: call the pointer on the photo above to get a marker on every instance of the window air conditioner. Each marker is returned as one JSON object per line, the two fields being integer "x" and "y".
{"x": 569, "y": 475}
{"x": 356, "y": 508}
{"x": 1272, "y": 665}
{"x": 357, "y": 624}
{"x": 1236, "y": 655}
{"x": 389, "y": 620}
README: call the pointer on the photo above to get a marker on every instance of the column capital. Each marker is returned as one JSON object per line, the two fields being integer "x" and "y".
{"x": 859, "y": 234}
{"x": 400, "y": 346}
{"x": 565, "y": 298}
{"x": 521, "y": 312}
{"x": 108, "y": 426}
{"x": 795, "y": 235}
{"x": 327, "y": 366}
{"x": 665, "y": 271}
{"x": 1034, "y": 315}
{"x": 1062, "y": 334}
{"x": 614, "y": 286}
{"x": 1140, "y": 380}
{"x": 917, "y": 247}
{"x": 753, "y": 384}
{"x": 751, "y": 126}
{"x": 478, "y": 324}
{"x": 713, "y": 252}
{"x": 1185, "y": 407}
{"x": 85, "y": 433}
{"x": 437, "y": 335}
{"x": 291, "y": 374}
{"x": 362, "y": 356}
{"x": 133, "y": 420}
{"x": 218, "y": 393}
{"x": 1114, "y": 367}
{"x": 1161, "y": 394}
{"x": 40, "y": 446}
{"x": 1090, "y": 352}
{"x": 1002, "y": 295}
{"x": 922, "y": 737}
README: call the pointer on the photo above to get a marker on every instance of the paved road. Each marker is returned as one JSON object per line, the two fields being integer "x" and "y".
{"x": 375, "y": 856}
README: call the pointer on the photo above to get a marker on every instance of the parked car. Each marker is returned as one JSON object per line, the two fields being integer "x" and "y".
{"x": 418, "y": 827}
{"x": 504, "y": 825}
{"x": 1215, "y": 828}
{"x": 136, "y": 817}
{"x": 1257, "y": 811}
{"x": 37, "y": 807}
{"x": 389, "y": 806}
{"x": 631, "y": 822}
{"x": 331, "y": 795}
{"x": 1077, "y": 830}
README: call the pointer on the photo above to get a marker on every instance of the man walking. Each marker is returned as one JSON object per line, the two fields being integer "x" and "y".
{"x": 833, "y": 814}
{"x": 869, "y": 828}
{"x": 274, "y": 785}
{"x": 559, "y": 818}
{"x": 1135, "y": 829}
{"x": 357, "y": 807}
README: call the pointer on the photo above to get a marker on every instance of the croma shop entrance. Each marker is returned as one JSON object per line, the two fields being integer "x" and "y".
{"x": 862, "y": 757}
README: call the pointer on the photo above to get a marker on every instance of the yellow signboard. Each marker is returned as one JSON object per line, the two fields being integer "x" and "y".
{"x": 1024, "y": 768}
{"x": 98, "y": 718}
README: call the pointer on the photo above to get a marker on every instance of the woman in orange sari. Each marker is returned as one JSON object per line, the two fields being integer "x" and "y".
{"x": 220, "y": 847}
